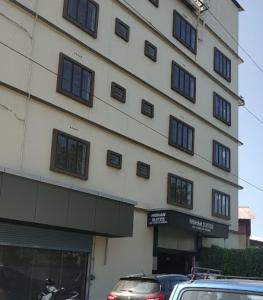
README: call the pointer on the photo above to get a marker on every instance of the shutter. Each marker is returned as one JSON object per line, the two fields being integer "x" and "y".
{"x": 34, "y": 237}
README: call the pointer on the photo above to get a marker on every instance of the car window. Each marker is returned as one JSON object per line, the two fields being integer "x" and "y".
{"x": 215, "y": 295}
{"x": 140, "y": 286}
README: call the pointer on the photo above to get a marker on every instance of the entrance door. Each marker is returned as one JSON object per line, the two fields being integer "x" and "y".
{"x": 175, "y": 262}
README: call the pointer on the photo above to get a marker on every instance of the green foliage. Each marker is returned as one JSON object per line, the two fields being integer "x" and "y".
{"x": 247, "y": 262}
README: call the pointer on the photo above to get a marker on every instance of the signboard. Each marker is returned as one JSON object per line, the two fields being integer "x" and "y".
{"x": 158, "y": 218}
{"x": 191, "y": 223}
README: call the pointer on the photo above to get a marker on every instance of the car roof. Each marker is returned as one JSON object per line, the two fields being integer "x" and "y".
{"x": 163, "y": 276}
{"x": 226, "y": 284}
{"x": 153, "y": 276}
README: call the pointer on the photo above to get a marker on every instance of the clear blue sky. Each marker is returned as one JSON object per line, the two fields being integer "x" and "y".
{"x": 250, "y": 85}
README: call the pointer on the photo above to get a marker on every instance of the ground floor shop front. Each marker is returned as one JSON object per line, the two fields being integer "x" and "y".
{"x": 48, "y": 234}
{"x": 29, "y": 256}
{"x": 161, "y": 243}
{"x": 83, "y": 242}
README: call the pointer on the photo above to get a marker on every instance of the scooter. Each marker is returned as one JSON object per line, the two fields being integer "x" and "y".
{"x": 52, "y": 293}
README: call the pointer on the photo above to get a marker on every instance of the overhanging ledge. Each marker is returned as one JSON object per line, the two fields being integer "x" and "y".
{"x": 187, "y": 222}
{"x": 25, "y": 198}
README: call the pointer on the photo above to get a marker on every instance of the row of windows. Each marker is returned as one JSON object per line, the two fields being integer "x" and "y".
{"x": 70, "y": 156}
{"x": 77, "y": 81}
{"x": 85, "y": 14}
{"x": 180, "y": 193}
{"x": 181, "y": 136}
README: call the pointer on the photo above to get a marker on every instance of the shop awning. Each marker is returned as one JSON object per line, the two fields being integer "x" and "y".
{"x": 187, "y": 222}
{"x": 37, "y": 201}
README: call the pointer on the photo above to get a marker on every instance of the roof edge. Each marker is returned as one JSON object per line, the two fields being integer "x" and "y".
{"x": 240, "y": 8}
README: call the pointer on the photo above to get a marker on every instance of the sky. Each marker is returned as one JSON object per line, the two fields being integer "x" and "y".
{"x": 250, "y": 85}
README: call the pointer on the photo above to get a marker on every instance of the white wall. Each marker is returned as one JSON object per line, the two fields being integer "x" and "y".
{"x": 150, "y": 194}
{"x": 106, "y": 110}
{"x": 124, "y": 256}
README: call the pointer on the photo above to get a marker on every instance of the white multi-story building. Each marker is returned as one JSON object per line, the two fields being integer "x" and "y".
{"x": 119, "y": 139}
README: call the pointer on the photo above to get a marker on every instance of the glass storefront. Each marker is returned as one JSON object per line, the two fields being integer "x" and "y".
{"x": 24, "y": 273}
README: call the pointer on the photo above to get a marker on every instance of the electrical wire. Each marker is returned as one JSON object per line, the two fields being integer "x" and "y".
{"x": 247, "y": 54}
{"x": 128, "y": 115}
{"x": 236, "y": 41}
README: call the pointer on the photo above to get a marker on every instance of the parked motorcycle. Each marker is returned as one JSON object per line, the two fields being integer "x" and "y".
{"x": 52, "y": 293}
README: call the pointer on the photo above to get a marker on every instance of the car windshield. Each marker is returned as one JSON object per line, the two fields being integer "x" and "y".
{"x": 215, "y": 295}
{"x": 140, "y": 286}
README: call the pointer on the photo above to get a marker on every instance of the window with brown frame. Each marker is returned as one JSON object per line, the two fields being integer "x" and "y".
{"x": 150, "y": 51}
{"x": 184, "y": 32}
{"x": 221, "y": 205}
{"x": 155, "y": 2}
{"x": 122, "y": 30}
{"x": 147, "y": 109}
{"x": 143, "y": 170}
{"x": 69, "y": 155}
{"x": 181, "y": 135}
{"x": 180, "y": 191}
{"x": 118, "y": 92}
{"x": 222, "y": 64}
{"x": 221, "y": 156}
{"x": 183, "y": 82}
{"x": 222, "y": 109}
{"x": 75, "y": 80}
{"x": 82, "y": 13}
{"x": 114, "y": 159}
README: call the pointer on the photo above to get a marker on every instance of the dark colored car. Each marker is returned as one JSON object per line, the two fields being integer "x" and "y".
{"x": 145, "y": 287}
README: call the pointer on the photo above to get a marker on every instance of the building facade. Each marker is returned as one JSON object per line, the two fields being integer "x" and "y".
{"x": 245, "y": 217}
{"x": 119, "y": 139}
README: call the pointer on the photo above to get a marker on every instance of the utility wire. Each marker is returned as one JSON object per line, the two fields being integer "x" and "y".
{"x": 254, "y": 115}
{"x": 236, "y": 41}
{"x": 128, "y": 115}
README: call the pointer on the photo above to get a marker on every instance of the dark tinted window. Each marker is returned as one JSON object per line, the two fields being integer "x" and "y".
{"x": 143, "y": 170}
{"x": 219, "y": 295}
{"x": 183, "y": 82}
{"x": 222, "y": 64}
{"x": 147, "y": 109}
{"x": 114, "y": 159}
{"x": 70, "y": 155}
{"x": 181, "y": 135}
{"x": 222, "y": 109}
{"x": 118, "y": 92}
{"x": 83, "y": 13}
{"x": 180, "y": 191}
{"x": 221, "y": 156}
{"x": 185, "y": 32}
{"x": 221, "y": 204}
{"x": 140, "y": 286}
{"x": 75, "y": 80}
{"x": 122, "y": 30}
{"x": 150, "y": 51}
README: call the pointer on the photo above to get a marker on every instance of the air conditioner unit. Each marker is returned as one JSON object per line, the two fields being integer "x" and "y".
{"x": 193, "y": 4}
